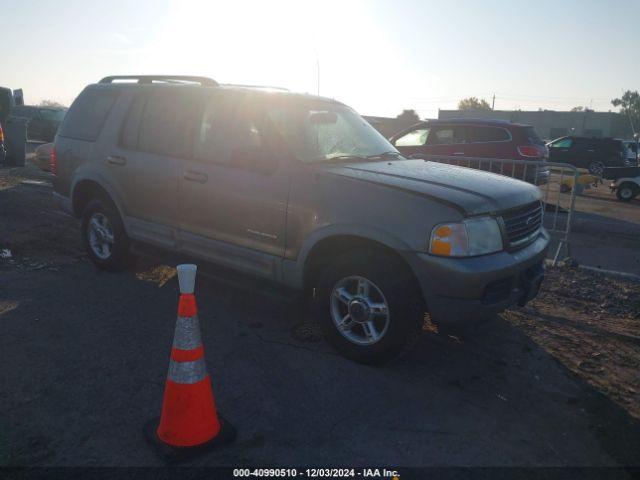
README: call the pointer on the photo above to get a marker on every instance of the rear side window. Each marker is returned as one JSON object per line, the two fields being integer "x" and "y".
{"x": 129, "y": 138}
{"x": 88, "y": 113}
{"x": 448, "y": 135}
{"x": 488, "y": 134}
{"x": 167, "y": 122}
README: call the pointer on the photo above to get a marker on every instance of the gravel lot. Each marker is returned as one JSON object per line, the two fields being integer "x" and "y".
{"x": 84, "y": 357}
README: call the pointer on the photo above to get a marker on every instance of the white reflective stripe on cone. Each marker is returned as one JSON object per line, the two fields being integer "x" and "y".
{"x": 187, "y": 372}
{"x": 187, "y": 333}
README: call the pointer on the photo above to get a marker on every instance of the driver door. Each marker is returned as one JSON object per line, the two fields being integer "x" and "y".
{"x": 233, "y": 192}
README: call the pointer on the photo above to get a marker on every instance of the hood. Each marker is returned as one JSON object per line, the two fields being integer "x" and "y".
{"x": 473, "y": 191}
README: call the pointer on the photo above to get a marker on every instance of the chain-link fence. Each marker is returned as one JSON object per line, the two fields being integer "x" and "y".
{"x": 558, "y": 183}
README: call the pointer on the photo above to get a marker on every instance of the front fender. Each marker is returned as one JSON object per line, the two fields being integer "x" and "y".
{"x": 293, "y": 270}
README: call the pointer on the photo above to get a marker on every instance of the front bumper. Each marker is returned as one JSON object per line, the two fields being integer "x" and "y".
{"x": 462, "y": 290}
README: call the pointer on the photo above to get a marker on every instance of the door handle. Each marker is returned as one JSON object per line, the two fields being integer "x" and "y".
{"x": 116, "y": 160}
{"x": 195, "y": 177}
{"x": 458, "y": 153}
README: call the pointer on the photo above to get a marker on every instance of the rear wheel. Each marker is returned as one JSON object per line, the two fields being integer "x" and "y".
{"x": 368, "y": 306}
{"x": 627, "y": 191}
{"x": 104, "y": 236}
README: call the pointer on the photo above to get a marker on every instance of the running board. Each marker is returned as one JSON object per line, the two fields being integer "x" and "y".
{"x": 222, "y": 275}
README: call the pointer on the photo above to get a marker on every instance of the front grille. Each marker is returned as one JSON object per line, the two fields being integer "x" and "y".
{"x": 522, "y": 224}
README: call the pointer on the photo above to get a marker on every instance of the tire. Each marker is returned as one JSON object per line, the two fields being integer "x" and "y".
{"x": 627, "y": 192}
{"x": 117, "y": 257}
{"x": 390, "y": 283}
{"x": 596, "y": 168}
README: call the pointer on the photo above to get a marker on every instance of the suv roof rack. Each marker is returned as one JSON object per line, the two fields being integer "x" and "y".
{"x": 146, "y": 79}
{"x": 267, "y": 87}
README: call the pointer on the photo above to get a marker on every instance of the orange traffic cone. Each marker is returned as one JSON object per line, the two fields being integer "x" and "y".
{"x": 189, "y": 422}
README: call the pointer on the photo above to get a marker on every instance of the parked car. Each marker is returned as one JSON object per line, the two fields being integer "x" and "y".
{"x": 627, "y": 185}
{"x": 302, "y": 192}
{"x": 42, "y": 157}
{"x": 594, "y": 154}
{"x": 478, "y": 139}
{"x": 43, "y": 122}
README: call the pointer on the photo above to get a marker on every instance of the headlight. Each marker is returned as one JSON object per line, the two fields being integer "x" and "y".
{"x": 471, "y": 237}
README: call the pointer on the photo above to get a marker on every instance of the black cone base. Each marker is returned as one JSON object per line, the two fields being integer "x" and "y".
{"x": 171, "y": 454}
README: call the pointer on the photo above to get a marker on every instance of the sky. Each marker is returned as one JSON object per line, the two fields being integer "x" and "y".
{"x": 378, "y": 56}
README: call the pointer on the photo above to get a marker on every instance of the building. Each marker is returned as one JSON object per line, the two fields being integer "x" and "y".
{"x": 551, "y": 124}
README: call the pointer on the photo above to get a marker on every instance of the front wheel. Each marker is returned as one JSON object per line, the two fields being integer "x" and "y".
{"x": 369, "y": 306}
{"x": 104, "y": 237}
{"x": 627, "y": 192}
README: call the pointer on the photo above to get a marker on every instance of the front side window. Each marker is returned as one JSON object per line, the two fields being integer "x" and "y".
{"x": 317, "y": 130}
{"x": 562, "y": 143}
{"x": 415, "y": 138}
{"x": 229, "y": 122}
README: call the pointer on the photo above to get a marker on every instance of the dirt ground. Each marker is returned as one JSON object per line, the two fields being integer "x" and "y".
{"x": 554, "y": 383}
{"x": 591, "y": 324}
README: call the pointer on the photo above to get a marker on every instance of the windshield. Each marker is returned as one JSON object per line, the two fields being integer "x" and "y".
{"x": 318, "y": 131}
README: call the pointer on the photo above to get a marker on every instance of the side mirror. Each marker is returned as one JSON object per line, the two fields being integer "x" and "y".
{"x": 253, "y": 157}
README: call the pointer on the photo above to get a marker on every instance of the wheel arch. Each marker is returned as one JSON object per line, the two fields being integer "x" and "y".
{"x": 86, "y": 189}
{"x": 331, "y": 246}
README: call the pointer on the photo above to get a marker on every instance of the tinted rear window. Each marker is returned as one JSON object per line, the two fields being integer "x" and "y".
{"x": 167, "y": 122}
{"x": 533, "y": 136}
{"x": 488, "y": 134}
{"x": 88, "y": 113}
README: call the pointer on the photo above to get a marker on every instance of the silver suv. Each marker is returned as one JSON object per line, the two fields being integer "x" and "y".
{"x": 303, "y": 192}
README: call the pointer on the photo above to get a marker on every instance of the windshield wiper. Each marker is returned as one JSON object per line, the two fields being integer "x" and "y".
{"x": 361, "y": 158}
{"x": 338, "y": 158}
{"x": 386, "y": 154}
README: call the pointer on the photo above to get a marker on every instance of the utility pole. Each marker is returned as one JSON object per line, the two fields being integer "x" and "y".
{"x": 493, "y": 102}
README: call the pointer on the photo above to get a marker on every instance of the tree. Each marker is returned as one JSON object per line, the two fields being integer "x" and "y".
{"x": 50, "y": 103}
{"x": 577, "y": 109}
{"x": 629, "y": 105}
{"x": 472, "y": 103}
{"x": 409, "y": 116}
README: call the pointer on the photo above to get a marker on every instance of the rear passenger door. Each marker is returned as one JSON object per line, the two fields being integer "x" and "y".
{"x": 233, "y": 193}
{"x": 582, "y": 152}
{"x": 447, "y": 140}
{"x": 489, "y": 142}
{"x": 155, "y": 137}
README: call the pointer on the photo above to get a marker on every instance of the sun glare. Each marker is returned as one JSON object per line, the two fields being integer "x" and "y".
{"x": 284, "y": 43}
